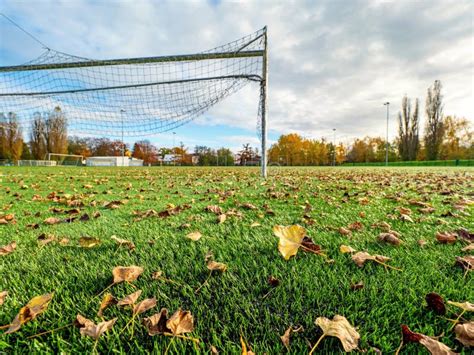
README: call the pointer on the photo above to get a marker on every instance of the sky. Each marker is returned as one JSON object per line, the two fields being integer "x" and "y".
{"x": 332, "y": 64}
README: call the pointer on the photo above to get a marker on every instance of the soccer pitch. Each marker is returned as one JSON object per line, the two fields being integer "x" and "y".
{"x": 173, "y": 222}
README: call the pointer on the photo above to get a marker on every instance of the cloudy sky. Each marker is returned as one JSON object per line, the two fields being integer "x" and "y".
{"x": 332, "y": 63}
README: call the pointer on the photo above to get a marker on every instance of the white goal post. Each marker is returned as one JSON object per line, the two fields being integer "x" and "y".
{"x": 78, "y": 158}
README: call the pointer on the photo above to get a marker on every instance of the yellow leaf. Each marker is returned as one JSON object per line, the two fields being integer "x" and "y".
{"x": 144, "y": 305}
{"x": 216, "y": 266}
{"x": 346, "y": 249}
{"x": 290, "y": 239}
{"x": 340, "y": 328}
{"x": 466, "y": 306}
{"x": 195, "y": 236}
{"x": 180, "y": 322}
{"x": 130, "y": 299}
{"x": 34, "y": 307}
{"x": 88, "y": 242}
{"x": 126, "y": 273}
{"x": 107, "y": 301}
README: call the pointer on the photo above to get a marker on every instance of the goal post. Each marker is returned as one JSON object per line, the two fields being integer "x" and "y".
{"x": 137, "y": 96}
{"x": 75, "y": 159}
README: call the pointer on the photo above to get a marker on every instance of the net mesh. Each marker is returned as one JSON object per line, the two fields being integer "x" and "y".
{"x": 137, "y": 96}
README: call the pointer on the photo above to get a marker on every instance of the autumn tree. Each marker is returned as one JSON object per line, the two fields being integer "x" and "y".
{"x": 458, "y": 138}
{"x": 434, "y": 129}
{"x": 56, "y": 132}
{"x": 146, "y": 151}
{"x": 79, "y": 146}
{"x": 11, "y": 138}
{"x": 38, "y": 137}
{"x": 408, "y": 127}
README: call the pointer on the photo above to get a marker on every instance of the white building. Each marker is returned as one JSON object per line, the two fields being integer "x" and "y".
{"x": 113, "y": 161}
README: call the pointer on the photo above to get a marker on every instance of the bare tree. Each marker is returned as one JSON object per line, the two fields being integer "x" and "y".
{"x": 434, "y": 130}
{"x": 56, "y": 132}
{"x": 408, "y": 127}
{"x": 38, "y": 137}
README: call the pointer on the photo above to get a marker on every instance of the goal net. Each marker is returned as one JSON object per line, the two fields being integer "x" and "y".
{"x": 66, "y": 159}
{"x": 135, "y": 97}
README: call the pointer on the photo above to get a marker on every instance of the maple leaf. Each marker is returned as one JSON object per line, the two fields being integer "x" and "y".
{"x": 194, "y": 236}
{"x": 290, "y": 239}
{"x": 107, "y": 301}
{"x": 340, "y": 328}
{"x": 465, "y": 333}
{"x": 7, "y": 249}
{"x": 126, "y": 273}
{"x": 88, "y": 328}
{"x": 88, "y": 242}
{"x": 33, "y": 308}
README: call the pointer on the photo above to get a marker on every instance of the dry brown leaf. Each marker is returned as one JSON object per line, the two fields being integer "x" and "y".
{"x": 344, "y": 231}
{"x": 107, "y": 300}
{"x": 52, "y": 220}
{"x": 290, "y": 239}
{"x": 144, "y": 306}
{"x": 194, "y": 236}
{"x": 285, "y": 338}
{"x": 126, "y": 273}
{"x": 435, "y": 347}
{"x": 465, "y": 333}
{"x": 214, "y": 209}
{"x": 64, "y": 241}
{"x": 340, "y": 328}
{"x": 88, "y": 328}
{"x": 88, "y": 242}
{"x": 44, "y": 238}
{"x": 7, "y": 249}
{"x": 346, "y": 249}
{"x": 466, "y": 262}
{"x": 446, "y": 237}
{"x": 156, "y": 324}
{"x": 180, "y": 322}
{"x": 216, "y": 266}
{"x": 389, "y": 238}
{"x": 470, "y": 247}
{"x": 421, "y": 243}
{"x": 221, "y": 218}
{"x": 33, "y": 308}
{"x": 130, "y": 299}
{"x": 123, "y": 242}
{"x": 435, "y": 303}
{"x": 3, "y": 295}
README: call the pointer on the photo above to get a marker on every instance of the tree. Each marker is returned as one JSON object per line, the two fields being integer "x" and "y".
{"x": 26, "y": 153}
{"x": 246, "y": 154}
{"x": 79, "y": 146}
{"x": 458, "y": 138}
{"x": 146, "y": 151}
{"x": 56, "y": 132}
{"x": 434, "y": 125}
{"x": 225, "y": 157}
{"x": 408, "y": 139}
{"x": 38, "y": 137}
{"x": 11, "y": 137}
{"x": 206, "y": 155}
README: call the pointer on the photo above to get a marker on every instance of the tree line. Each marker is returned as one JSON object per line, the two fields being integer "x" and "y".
{"x": 445, "y": 138}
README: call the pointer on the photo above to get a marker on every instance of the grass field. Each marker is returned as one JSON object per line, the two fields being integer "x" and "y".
{"x": 240, "y": 301}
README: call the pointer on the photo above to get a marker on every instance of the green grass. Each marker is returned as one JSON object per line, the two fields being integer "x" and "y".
{"x": 233, "y": 303}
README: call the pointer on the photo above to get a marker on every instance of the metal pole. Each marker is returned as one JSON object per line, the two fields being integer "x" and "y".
{"x": 334, "y": 148}
{"x": 122, "y": 111}
{"x": 386, "y": 142}
{"x": 263, "y": 93}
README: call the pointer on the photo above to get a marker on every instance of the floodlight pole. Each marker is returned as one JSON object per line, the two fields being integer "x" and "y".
{"x": 334, "y": 148}
{"x": 263, "y": 93}
{"x": 386, "y": 142}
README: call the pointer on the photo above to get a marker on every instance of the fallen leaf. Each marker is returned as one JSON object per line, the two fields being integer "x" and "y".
{"x": 126, "y": 273}
{"x": 285, "y": 338}
{"x": 195, "y": 236}
{"x": 346, "y": 249}
{"x": 33, "y": 308}
{"x": 273, "y": 281}
{"x": 466, "y": 306}
{"x": 244, "y": 348}
{"x": 44, "y": 238}
{"x": 88, "y": 328}
{"x": 308, "y": 245}
{"x": 357, "y": 286}
{"x": 7, "y": 249}
{"x": 389, "y": 238}
{"x": 361, "y": 257}
{"x": 123, "y": 242}
{"x": 3, "y": 295}
{"x": 290, "y": 239}
{"x": 107, "y": 301}
{"x": 130, "y": 299}
{"x": 465, "y": 234}
{"x": 156, "y": 324}
{"x": 465, "y": 333}
{"x": 88, "y": 242}
{"x": 214, "y": 209}
{"x": 446, "y": 237}
{"x": 144, "y": 306}
{"x": 435, "y": 303}
{"x": 216, "y": 266}
{"x": 470, "y": 247}
{"x": 180, "y": 322}
{"x": 52, "y": 220}
{"x": 340, "y": 328}
{"x": 344, "y": 231}
{"x": 434, "y": 346}
{"x": 221, "y": 218}
{"x": 466, "y": 262}
{"x": 421, "y": 243}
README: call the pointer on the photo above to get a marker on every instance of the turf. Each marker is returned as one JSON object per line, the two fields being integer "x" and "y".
{"x": 239, "y": 302}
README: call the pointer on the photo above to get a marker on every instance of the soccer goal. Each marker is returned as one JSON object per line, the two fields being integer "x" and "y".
{"x": 135, "y": 97}
{"x": 66, "y": 159}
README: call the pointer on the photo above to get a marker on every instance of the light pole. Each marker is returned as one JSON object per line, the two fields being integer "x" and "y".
{"x": 334, "y": 148}
{"x": 122, "y": 111}
{"x": 174, "y": 137}
{"x": 386, "y": 142}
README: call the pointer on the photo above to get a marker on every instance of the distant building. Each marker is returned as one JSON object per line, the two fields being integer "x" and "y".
{"x": 113, "y": 161}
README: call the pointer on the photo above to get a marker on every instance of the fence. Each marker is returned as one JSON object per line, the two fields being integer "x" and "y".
{"x": 458, "y": 162}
